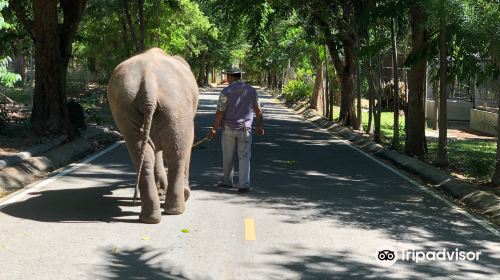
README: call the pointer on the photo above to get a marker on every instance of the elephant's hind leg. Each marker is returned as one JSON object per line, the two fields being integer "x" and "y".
{"x": 150, "y": 203}
{"x": 177, "y": 152}
{"x": 175, "y": 203}
{"x": 178, "y": 165}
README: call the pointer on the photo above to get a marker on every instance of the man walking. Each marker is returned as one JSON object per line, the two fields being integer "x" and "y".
{"x": 235, "y": 109}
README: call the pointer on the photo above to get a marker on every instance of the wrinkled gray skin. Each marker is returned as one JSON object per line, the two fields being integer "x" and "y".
{"x": 153, "y": 99}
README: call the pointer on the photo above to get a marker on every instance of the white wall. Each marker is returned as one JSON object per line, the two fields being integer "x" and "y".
{"x": 484, "y": 121}
{"x": 457, "y": 110}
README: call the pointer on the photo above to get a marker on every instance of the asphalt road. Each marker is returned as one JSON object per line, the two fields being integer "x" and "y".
{"x": 319, "y": 209}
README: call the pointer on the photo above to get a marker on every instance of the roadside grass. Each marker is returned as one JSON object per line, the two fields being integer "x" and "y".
{"x": 386, "y": 124}
{"x": 386, "y": 127}
{"x": 473, "y": 159}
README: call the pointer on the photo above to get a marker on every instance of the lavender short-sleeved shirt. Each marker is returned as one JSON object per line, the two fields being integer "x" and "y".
{"x": 237, "y": 102}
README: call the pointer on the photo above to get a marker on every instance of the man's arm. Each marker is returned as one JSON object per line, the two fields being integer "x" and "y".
{"x": 219, "y": 115}
{"x": 217, "y": 123}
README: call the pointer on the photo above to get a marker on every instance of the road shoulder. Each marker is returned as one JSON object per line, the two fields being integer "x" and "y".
{"x": 21, "y": 173}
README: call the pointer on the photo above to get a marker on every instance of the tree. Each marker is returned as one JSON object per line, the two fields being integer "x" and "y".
{"x": 495, "y": 53}
{"x": 345, "y": 66}
{"x": 53, "y": 38}
{"x": 374, "y": 43}
{"x": 395, "y": 138}
{"x": 442, "y": 154}
{"x": 495, "y": 179}
{"x": 359, "y": 120}
{"x": 317, "y": 100}
{"x": 415, "y": 141}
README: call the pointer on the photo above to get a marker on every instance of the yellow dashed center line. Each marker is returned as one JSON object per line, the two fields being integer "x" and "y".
{"x": 250, "y": 229}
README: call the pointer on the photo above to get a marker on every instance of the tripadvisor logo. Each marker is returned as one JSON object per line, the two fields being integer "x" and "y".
{"x": 388, "y": 255}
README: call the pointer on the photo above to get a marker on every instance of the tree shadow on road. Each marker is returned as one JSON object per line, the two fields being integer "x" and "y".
{"x": 299, "y": 263}
{"x": 140, "y": 263}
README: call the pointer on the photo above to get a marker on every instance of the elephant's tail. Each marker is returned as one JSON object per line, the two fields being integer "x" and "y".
{"x": 149, "y": 110}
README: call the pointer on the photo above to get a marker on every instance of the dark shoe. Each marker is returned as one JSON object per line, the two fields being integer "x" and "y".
{"x": 222, "y": 185}
{"x": 243, "y": 190}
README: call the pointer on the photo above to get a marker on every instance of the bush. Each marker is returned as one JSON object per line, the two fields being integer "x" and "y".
{"x": 297, "y": 90}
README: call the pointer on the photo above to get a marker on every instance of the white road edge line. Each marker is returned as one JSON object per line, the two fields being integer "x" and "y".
{"x": 479, "y": 221}
{"x": 70, "y": 168}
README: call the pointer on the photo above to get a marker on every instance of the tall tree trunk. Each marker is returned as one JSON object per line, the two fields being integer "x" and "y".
{"x": 125, "y": 39}
{"x": 405, "y": 107}
{"x": 53, "y": 48}
{"x": 415, "y": 141}
{"x": 442, "y": 156}
{"x": 316, "y": 98}
{"x": 495, "y": 180}
{"x": 330, "y": 100}
{"x": 347, "y": 72}
{"x": 324, "y": 88}
{"x": 133, "y": 36}
{"x": 274, "y": 80}
{"x": 359, "y": 119}
{"x": 345, "y": 69}
{"x": 140, "y": 15}
{"x": 347, "y": 113}
{"x": 435, "y": 97}
{"x": 269, "y": 79}
{"x": 327, "y": 87}
{"x": 369, "y": 127}
{"x": 371, "y": 96}
{"x": 201, "y": 74}
{"x": 207, "y": 72}
{"x": 377, "y": 114}
{"x": 377, "y": 135}
{"x": 395, "y": 137}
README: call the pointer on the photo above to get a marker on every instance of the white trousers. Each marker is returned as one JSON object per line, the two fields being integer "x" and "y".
{"x": 241, "y": 142}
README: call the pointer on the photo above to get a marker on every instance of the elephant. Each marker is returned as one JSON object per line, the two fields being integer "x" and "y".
{"x": 153, "y": 99}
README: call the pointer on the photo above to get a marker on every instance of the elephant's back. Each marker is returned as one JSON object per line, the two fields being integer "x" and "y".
{"x": 153, "y": 72}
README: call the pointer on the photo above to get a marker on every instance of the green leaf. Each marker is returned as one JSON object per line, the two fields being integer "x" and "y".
{"x": 185, "y": 230}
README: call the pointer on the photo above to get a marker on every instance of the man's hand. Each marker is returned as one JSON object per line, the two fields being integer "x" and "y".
{"x": 212, "y": 134}
{"x": 218, "y": 120}
{"x": 260, "y": 130}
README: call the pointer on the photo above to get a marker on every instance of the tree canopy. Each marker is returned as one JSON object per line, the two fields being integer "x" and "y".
{"x": 7, "y": 78}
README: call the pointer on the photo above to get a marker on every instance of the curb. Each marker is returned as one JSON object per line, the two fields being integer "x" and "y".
{"x": 33, "y": 151}
{"x": 482, "y": 202}
{"x": 31, "y": 169}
